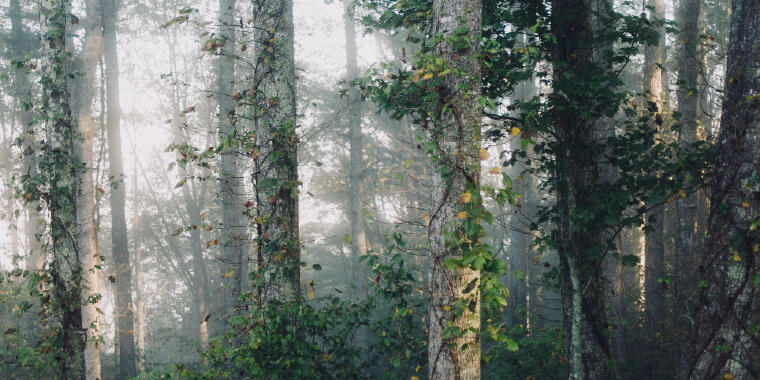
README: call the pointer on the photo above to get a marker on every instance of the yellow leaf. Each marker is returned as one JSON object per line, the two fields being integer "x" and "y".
{"x": 383, "y": 333}
{"x": 310, "y": 293}
{"x": 418, "y": 368}
{"x": 514, "y": 131}
{"x": 737, "y": 258}
{"x": 756, "y": 247}
{"x": 682, "y": 193}
{"x": 426, "y": 218}
{"x": 415, "y": 378}
{"x": 259, "y": 220}
{"x": 446, "y": 307}
{"x": 427, "y": 76}
{"x": 466, "y": 197}
{"x": 229, "y": 273}
{"x": 212, "y": 243}
{"x": 729, "y": 376}
{"x": 496, "y": 170}
{"x": 483, "y": 154}
{"x": 462, "y": 214}
{"x": 745, "y": 204}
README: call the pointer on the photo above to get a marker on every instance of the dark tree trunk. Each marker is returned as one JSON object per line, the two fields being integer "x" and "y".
{"x": 729, "y": 305}
{"x": 124, "y": 313}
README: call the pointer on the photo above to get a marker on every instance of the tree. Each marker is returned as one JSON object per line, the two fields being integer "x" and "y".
{"x": 86, "y": 248}
{"x": 123, "y": 313}
{"x": 232, "y": 188}
{"x": 59, "y": 168}
{"x": 689, "y": 62}
{"x": 356, "y": 164}
{"x": 453, "y": 342}
{"x": 22, "y": 91}
{"x": 728, "y": 308}
{"x": 276, "y": 168}
{"x": 654, "y": 59}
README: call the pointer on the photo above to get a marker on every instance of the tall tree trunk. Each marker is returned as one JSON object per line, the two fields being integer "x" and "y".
{"x": 654, "y": 250}
{"x": 729, "y": 306}
{"x": 232, "y": 189}
{"x": 457, "y": 135}
{"x": 124, "y": 313}
{"x": 356, "y": 165}
{"x": 89, "y": 257}
{"x": 276, "y": 172}
{"x": 582, "y": 247}
{"x": 686, "y": 207}
{"x": 59, "y": 168}
{"x": 140, "y": 301}
{"x": 22, "y": 92}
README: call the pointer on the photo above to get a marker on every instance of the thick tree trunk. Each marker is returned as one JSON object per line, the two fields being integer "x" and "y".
{"x": 581, "y": 247}
{"x": 89, "y": 257}
{"x": 60, "y": 170}
{"x": 356, "y": 165}
{"x": 232, "y": 188}
{"x": 276, "y": 174}
{"x": 457, "y": 136}
{"x": 124, "y": 313}
{"x": 729, "y": 306}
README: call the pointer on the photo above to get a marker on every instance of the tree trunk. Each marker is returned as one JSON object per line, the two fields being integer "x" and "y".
{"x": 232, "y": 188}
{"x": 686, "y": 207}
{"x": 356, "y": 165}
{"x": 29, "y": 147}
{"x": 457, "y": 136}
{"x": 654, "y": 248}
{"x": 124, "y": 313}
{"x": 729, "y": 304}
{"x": 89, "y": 257}
{"x": 581, "y": 247}
{"x": 59, "y": 168}
{"x": 139, "y": 307}
{"x": 276, "y": 172}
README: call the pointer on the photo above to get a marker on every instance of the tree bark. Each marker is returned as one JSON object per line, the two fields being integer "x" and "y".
{"x": 457, "y": 136}
{"x": 89, "y": 257}
{"x": 581, "y": 247}
{"x": 232, "y": 188}
{"x": 276, "y": 173}
{"x": 124, "y": 309}
{"x": 686, "y": 207}
{"x": 356, "y": 165}
{"x": 59, "y": 168}
{"x": 654, "y": 256}
{"x": 728, "y": 310}
{"x": 22, "y": 92}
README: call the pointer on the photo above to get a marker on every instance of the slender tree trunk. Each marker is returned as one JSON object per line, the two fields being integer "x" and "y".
{"x": 686, "y": 207}
{"x": 276, "y": 174}
{"x": 729, "y": 306}
{"x": 140, "y": 301}
{"x": 21, "y": 91}
{"x": 457, "y": 136}
{"x": 60, "y": 171}
{"x": 89, "y": 257}
{"x": 654, "y": 250}
{"x": 356, "y": 165}
{"x": 232, "y": 189}
{"x": 124, "y": 314}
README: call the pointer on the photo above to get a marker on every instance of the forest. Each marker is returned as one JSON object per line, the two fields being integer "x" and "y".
{"x": 380, "y": 189}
